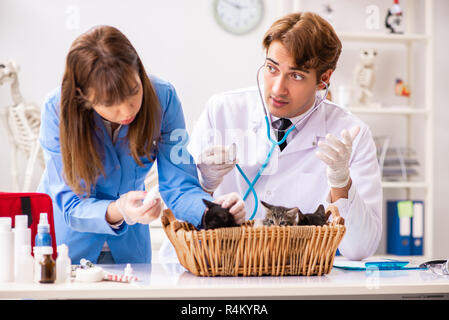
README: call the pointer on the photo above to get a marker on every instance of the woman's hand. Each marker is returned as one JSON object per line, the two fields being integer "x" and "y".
{"x": 130, "y": 206}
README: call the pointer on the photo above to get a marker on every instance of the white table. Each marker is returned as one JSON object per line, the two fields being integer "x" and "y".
{"x": 172, "y": 281}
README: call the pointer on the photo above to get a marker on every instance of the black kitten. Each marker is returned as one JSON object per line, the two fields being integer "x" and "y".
{"x": 318, "y": 218}
{"x": 217, "y": 217}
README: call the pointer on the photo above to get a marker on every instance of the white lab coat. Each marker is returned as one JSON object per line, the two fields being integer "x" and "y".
{"x": 296, "y": 176}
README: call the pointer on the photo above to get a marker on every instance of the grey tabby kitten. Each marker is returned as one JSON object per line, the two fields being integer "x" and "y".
{"x": 282, "y": 216}
{"x": 279, "y": 216}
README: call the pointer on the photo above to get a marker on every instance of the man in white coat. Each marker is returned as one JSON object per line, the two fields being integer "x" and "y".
{"x": 328, "y": 158}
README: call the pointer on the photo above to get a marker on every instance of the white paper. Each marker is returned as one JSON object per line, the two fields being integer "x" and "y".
{"x": 404, "y": 226}
{"x": 418, "y": 220}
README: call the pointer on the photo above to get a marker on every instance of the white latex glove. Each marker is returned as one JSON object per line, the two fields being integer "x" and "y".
{"x": 134, "y": 211}
{"x": 235, "y": 204}
{"x": 214, "y": 164}
{"x": 336, "y": 154}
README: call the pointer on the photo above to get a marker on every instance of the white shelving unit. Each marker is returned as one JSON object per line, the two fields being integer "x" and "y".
{"x": 426, "y": 112}
{"x": 408, "y": 39}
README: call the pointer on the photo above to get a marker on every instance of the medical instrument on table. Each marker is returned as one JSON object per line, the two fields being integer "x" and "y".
{"x": 378, "y": 264}
{"x": 86, "y": 264}
{"x": 93, "y": 274}
{"x": 439, "y": 267}
{"x": 88, "y": 272}
{"x": 119, "y": 278}
{"x": 274, "y": 143}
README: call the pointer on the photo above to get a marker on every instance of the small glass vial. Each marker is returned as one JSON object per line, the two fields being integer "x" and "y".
{"x": 47, "y": 266}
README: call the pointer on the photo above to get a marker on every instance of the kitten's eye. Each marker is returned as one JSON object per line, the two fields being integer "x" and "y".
{"x": 271, "y": 221}
{"x": 282, "y": 223}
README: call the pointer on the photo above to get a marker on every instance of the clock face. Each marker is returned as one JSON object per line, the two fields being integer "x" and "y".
{"x": 238, "y": 16}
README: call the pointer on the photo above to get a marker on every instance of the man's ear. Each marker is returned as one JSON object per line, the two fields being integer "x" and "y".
{"x": 326, "y": 77}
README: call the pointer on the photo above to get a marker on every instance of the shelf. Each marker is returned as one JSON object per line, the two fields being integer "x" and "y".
{"x": 403, "y": 184}
{"x": 389, "y": 110}
{"x": 380, "y": 37}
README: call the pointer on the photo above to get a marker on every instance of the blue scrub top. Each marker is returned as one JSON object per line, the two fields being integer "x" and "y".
{"x": 80, "y": 223}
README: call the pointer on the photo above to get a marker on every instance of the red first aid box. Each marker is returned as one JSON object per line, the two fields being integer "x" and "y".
{"x": 30, "y": 204}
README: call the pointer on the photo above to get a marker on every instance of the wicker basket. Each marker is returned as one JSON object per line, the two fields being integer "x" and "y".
{"x": 256, "y": 251}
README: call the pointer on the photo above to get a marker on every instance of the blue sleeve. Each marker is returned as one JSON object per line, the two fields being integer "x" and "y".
{"x": 178, "y": 178}
{"x": 83, "y": 215}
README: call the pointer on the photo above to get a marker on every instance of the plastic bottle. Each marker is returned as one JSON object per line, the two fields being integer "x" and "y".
{"x": 128, "y": 272}
{"x": 47, "y": 266}
{"x": 25, "y": 264}
{"x": 63, "y": 264}
{"x": 43, "y": 237}
{"x": 6, "y": 251}
{"x": 22, "y": 237}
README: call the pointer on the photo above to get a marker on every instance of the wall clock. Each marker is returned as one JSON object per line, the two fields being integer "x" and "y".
{"x": 238, "y": 16}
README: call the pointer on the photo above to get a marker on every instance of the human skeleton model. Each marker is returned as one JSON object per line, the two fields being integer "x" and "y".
{"x": 364, "y": 75}
{"x": 23, "y": 122}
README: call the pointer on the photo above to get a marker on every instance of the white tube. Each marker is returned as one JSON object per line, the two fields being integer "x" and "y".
{"x": 6, "y": 251}
{"x": 25, "y": 272}
{"x": 22, "y": 237}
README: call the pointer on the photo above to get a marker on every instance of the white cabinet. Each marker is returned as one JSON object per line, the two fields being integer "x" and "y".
{"x": 413, "y": 119}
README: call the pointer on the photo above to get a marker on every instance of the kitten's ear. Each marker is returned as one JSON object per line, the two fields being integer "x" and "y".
{"x": 266, "y": 205}
{"x": 208, "y": 203}
{"x": 320, "y": 210}
{"x": 293, "y": 212}
{"x": 300, "y": 215}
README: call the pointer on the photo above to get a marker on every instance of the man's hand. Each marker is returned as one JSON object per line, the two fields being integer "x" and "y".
{"x": 235, "y": 204}
{"x": 214, "y": 164}
{"x": 336, "y": 154}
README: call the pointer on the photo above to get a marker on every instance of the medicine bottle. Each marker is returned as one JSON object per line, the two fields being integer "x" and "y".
{"x": 63, "y": 264}
{"x": 47, "y": 266}
{"x": 43, "y": 237}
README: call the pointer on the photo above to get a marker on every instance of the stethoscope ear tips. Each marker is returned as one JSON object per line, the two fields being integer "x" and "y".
{"x": 326, "y": 85}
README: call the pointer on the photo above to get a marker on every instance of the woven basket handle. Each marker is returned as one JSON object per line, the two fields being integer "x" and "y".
{"x": 167, "y": 217}
{"x": 336, "y": 218}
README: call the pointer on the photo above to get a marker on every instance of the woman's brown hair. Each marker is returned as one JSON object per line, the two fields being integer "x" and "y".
{"x": 309, "y": 38}
{"x": 103, "y": 61}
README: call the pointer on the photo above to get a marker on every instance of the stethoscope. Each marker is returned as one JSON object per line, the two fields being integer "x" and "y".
{"x": 274, "y": 143}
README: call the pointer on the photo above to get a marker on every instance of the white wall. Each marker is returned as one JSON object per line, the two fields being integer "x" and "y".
{"x": 179, "y": 41}
{"x": 441, "y": 235}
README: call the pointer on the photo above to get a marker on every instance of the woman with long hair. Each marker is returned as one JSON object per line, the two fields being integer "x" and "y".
{"x": 101, "y": 132}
